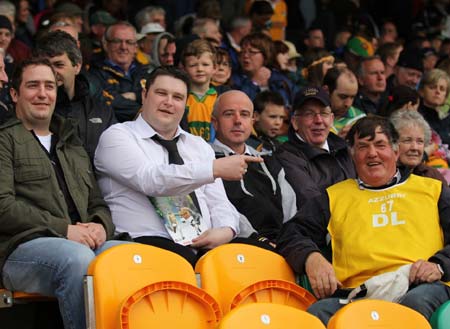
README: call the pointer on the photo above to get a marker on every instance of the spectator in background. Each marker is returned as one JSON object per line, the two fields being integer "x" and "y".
{"x": 5, "y": 100}
{"x": 388, "y": 32}
{"x": 16, "y": 50}
{"x": 414, "y": 135}
{"x": 317, "y": 62}
{"x": 73, "y": 98}
{"x": 199, "y": 61}
{"x": 150, "y": 14}
{"x": 269, "y": 115}
{"x": 434, "y": 89}
{"x": 239, "y": 28}
{"x": 429, "y": 59}
{"x": 257, "y": 73}
{"x": 408, "y": 71}
{"x": 342, "y": 86}
{"x": 357, "y": 47}
{"x": 118, "y": 78}
{"x": 25, "y": 29}
{"x": 260, "y": 13}
{"x": 99, "y": 22}
{"x": 372, "y": 85}
{"x": 163, "y": 52}
{"x": 207, "y": 28}
{"x": 314, "y": 38}
{"x": 146, "y": 37}
{"x": 389, "y": 53}
{"x": 221, "y": 77}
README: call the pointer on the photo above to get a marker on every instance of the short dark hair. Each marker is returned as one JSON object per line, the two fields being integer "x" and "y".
{"x": 57, "y": 43}
{"x": 16, "y": 80}
{"x": 367, "y": 126}
{"x": 267, "y": 97}
{"x": 167, "y": 71}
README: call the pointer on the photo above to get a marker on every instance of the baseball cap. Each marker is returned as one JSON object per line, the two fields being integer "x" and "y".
{"x": 150, "y": 28}
{"x": 360, "y": 46}
{"x": 102, "y": 17}
{"x": 411, "y": 58}
{"x": 308, "y": 93}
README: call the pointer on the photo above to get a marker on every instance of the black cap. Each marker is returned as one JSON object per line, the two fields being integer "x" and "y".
{"x": 5, "y": 23}
{"x": 411, "y": 59}
{"x": 308, "y": 93}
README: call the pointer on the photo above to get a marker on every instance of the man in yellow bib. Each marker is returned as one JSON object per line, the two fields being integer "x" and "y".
{"x": 384, "y": 219}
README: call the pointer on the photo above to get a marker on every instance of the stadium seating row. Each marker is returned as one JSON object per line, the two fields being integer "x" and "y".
{"x": 139, "y": 286}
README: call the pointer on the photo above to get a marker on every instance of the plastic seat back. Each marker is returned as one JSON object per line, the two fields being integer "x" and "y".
{"x": 238, "y": 273}
{"x": 441, "y": 317}
{"x": 370, "y": 313}
{"x": 170, "y": 304}
{"x": 121, "y": 271}
{"x": 268, "y": 315}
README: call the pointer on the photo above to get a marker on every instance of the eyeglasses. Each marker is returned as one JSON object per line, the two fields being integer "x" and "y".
{"x": 309, "y": 115}
{"x": 117, "y": 42}
{"x": 250, "y": 52}
{"x": 410, "y": 140}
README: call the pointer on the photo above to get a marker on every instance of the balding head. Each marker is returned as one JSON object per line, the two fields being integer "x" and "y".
{"x": 233, "y": 119}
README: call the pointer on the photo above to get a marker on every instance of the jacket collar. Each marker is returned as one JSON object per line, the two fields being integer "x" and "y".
{"x": 335, "y": 144}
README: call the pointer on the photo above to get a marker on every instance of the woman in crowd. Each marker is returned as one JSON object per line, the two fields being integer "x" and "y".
{"x": 317, "y": 62}
{"x": 258, "y": 73}
{"x": 434, "y": 89}
{"x": 414, "y": 135}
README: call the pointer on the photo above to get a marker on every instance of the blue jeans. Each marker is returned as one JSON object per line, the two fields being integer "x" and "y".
{"x": 53, "y": 267}
{"x": 424, "y": 298}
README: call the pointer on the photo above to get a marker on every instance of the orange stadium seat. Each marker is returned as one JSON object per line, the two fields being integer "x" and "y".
{"x": 138, "y": 286}
{"x": 371, "y": 313}
{"x": 236, "y": 274}
{"x": 269, "y": 315}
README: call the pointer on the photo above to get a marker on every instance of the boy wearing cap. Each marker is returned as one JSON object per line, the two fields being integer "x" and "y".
{"x": 313, "y": 157}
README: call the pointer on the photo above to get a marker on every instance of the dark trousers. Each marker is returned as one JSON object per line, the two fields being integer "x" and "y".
{"x": 188, "y": 253}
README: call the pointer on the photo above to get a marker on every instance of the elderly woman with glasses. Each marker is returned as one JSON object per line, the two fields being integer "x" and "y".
{"x": 414, "y": 135}
{"x": 257, "y": 71}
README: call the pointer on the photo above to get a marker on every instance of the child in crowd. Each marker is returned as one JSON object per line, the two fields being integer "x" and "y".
{"x": 221, "y": 77}
{"x": 269, "y": 115}
{"x": 199, "y": 61}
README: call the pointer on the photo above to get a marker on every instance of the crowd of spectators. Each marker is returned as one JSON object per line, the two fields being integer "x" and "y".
{"x": 209, "y": 122}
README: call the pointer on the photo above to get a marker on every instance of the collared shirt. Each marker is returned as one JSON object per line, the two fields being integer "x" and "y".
{"x": 325, "y": 145}
{"x": 131, "y": 166}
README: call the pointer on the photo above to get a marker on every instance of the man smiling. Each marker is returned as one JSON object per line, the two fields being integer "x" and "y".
{"x": 385, "y": 220}
{"x": 152, "y": 161}
{"x": 313, "y": 158}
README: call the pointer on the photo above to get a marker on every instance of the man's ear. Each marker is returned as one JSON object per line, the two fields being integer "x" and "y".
{"x": 214, "y": 122}
{"x": 77, "y": 68}
{"x": 294, "y": 122}
{"x": 256, "y": 116}
{"x": 14, "y": 95}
